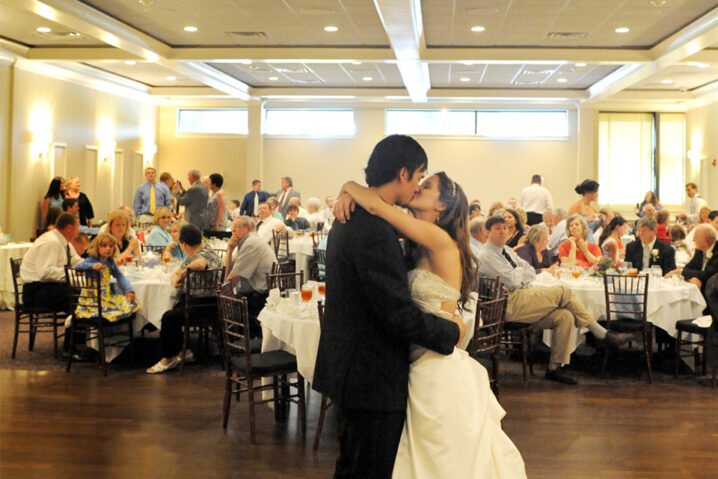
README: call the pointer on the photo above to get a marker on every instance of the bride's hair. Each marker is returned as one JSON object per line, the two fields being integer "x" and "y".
{"x": 454, "y": 220}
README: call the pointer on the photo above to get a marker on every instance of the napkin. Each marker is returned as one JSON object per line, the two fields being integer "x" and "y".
{"x": 703, "y": 321}
{"x": 289, "y": 307}
{"x": 545, "y": 277}
{"x": 273, "y": 298}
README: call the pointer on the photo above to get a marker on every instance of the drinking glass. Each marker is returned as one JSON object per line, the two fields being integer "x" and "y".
{"x": 322, "y": 289}
{"x": 576, "y": 272}
{"x": 306, "y": 293}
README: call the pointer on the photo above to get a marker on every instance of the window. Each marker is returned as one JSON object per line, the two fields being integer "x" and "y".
{"x": 510, "y": 124}
{"x": 212, "y": 122}
{"x": 317, "y": 123}
{"x": 430, "y": 122}
{"x": 641, "y": 152}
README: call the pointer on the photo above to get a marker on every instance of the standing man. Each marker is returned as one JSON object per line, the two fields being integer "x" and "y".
{"x": 194, "y": 200}
{"x": 250, "y": 203}
{"x": 695, "y": 202}
{"x": 535, "y": 199}
{"x": 370, "y": 320}
{"x": 149, "y": 196}
{"x": 285, "y": 194}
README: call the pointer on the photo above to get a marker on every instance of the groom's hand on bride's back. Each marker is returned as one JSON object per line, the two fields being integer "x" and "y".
{"x": 459, "y": 320}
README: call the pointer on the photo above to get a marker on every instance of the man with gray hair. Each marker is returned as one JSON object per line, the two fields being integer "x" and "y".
{"x": 247, "y": 262}
{"x": 704, "y": 263}
{"x": 647, "y": 250}
{"x": 477, "y": 234}
{"x": 535, "y": 199}
{"x": 558, "y": 230}
{"x": 284, "y": 194}
{"x": 313, "y": 214}
{"x": 194, "y": 199}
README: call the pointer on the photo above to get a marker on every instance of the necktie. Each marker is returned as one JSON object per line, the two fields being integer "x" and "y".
{"x": 258, "y": 225}
{"x": 281, "y": 201}
{"x": 256, "y": 204}
{"x": 153, "y": 200}
{"x": 508, "y": 258}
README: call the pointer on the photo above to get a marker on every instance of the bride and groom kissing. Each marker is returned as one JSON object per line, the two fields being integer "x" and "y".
{"x": 413, "y": 403}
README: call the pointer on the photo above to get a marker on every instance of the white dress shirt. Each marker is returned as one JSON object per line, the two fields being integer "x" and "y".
{"x": 694, "y": 206}
{"x": 47, "y": 257}
{"x": 266, "y": 226}
{"x": 558, "y": 235}
{"x": 253, "y": 259}
{"x": 535, "y": 199}
{"x": 647, "y": 248}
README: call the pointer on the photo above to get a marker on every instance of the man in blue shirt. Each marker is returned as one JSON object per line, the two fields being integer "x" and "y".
{"x": 250, "y": 204}
{"x": 149, "y": 196}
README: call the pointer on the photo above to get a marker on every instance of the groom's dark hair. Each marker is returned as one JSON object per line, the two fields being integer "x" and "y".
{"x": 392, "y": 154}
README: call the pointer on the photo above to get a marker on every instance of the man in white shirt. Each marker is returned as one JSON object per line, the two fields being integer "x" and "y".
{"x": 558, "y": 230}
{"x": 43, "y": 266}
{"x": 695, "y": 202}
{"x": 248, "y": 267}
{"x": 268, "y": 223}
{"x": 535, "y": 199}
{"x": 477, "y": 234}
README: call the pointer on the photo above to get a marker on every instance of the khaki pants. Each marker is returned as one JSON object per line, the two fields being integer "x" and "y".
{"x": 553, "y": 308}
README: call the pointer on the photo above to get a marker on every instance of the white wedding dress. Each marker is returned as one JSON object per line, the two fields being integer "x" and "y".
{"x": 453, "y": 420}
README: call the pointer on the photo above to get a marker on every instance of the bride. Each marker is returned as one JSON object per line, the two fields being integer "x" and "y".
{"x": 453, "y": 420}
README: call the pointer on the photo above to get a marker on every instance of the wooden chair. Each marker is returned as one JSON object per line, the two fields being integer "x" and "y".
{"x": 154, "y": 249}
{"x": 36, "y": 318}
{"x": 88, "y": 286}
{"x": 320, "y": 258}
{"x": 245, "y": 370}
{"x": 201, "y": 288}
{"x": 317, "y": 237}
{"x": 326, "y": 402}
{"x": 281, "y": 245}
{"x": 285, "y": 281}
{"x": 686, "y": 326}
{"x": 486, "y": 342}
{"x": 220, "y": 252}
{"x": 283, "y": 267}
{"x": 626, "y": 298}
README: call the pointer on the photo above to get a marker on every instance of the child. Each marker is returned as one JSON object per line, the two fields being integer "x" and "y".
{"x": 81, "y": 242}
{"x": 174, "y": 248}
{"x": 100, "y": 259}
{"x": 662, "y": 229}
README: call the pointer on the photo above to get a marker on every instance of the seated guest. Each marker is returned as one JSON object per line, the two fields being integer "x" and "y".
{"x": 474, "y": 209}
{"x": 703, "y": 218}
{"x": 273, "y": 203}
{"x": 678, "y": 237}
{"x": 70, "y": 205}
{"x": 294, "y": 221}
{"x": 118, "y": 226}
{"x": 646, "y": 251}
{"x": 553, "y": 307}
{"x": 327, "y": 212}
{"x": 650, "y": 211}
{"x": 159, "y": 236}
{"x": 605, "y": 215}
{"x": 173, "y": 247}
{"x": 81, "y": 242}
{"x": 53, "y": 213}
{"x": 558, "y": 230}
{"x": 610, "y": 239}
{"x": 704, "y": 263}
{"x": 315, "y": 217}
{"x": 534, "y": 251}
{"x": 495, "y": 207}
{"x": 250, "y": 203}
{"x": 199, "y": 256}
{"x": 547, "y": 219}
{"x": 662, "y": 231}
{"x": 515, "y": 228}
{"x": 43, "y": 266}
{"x": 576, "y": 251}
{"x": 296, "y": 201}
{"x": 234, "y": 209}
{"x": 248, "y": 267}
{"x": 477, "y": 234}
{"x": 268, "y": 223}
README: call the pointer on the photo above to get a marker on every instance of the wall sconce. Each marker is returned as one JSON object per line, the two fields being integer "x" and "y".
{"x": 40, "y": 144}
{"x": 695, "y": 156}
{"x": 148, "y": 154}
{"x": 107, "y": 150}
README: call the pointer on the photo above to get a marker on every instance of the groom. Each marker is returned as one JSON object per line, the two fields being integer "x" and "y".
{"x": 370, "y": 320}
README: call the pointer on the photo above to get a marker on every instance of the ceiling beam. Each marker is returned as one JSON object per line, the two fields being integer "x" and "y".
{"x": 673, "y": 50}
{"x": 606, "y": 56}
{"x": 13, "y": 48}
{"x": 284, "y": 54}
{"x": 404, "y": 27}
{"x": 80, "y": 54}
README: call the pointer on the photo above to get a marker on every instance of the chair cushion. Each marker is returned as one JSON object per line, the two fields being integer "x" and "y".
{"x": 686, "y": 325}
{"x": 627, "y": 325}
{"x": 255, "y": 345}
{"x": 515, "y": 325}
{"x": 266, "y": 363}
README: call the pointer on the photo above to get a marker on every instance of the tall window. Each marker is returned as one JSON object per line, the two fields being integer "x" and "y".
{"x": 641, "y": 152}
{"x": 315, "y": 123}
{"x": 225, "y": 121}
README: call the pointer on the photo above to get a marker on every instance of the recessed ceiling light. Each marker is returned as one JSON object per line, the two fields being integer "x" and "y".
{"x": 74, "y": 35}
{"x": 273, "y": 78}
{"x": 700, "y": 64}
{"x": 190, "y": 28}
{"x": 666, "y": 82}
{"x": 623, "y": 30}
{"x": 478, "y": 28}
{"x": 464, "y": 79}
{"x": 330, "y": 28}
{"x": 130, "y": 62}
{"x": 170, "y": 78}
{"x": 44, "y": 29}
{"x": 580, "y": 65}
{"x": 562, "y": 80}
{"x": 367, "y": 78}
{"x": 356, "y": 63}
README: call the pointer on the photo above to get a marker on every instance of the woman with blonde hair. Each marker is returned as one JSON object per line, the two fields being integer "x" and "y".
{"x": 118, "y": 225}
{"x": 159, "y": 236}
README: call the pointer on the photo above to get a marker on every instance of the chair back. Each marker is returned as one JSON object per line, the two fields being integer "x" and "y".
{"x": 285, "y": 281}
{"x": 283, "y": 267}
{"x": 281, "y": 244}
{"x": 317, "y": 237}
{"x": 488, "y": 287}
{"x": 154, "y": 249}
{"x": 320, "y": 310}
{"x": 489, "y": 327}
{"x": 15, "y": 264}
{"x": 220, "y": 252}
{"x": 86, "y": 285}
{"x": 201, "y": 288}
{"x": 626, "y": 296}
{"x": 234, "y": 323}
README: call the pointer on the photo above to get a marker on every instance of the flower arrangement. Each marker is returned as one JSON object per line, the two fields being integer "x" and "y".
{"x": 604, "y": 265}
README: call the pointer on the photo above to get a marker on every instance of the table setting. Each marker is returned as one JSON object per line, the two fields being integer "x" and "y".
{"x": 8, "y": 251}
{"x": 301, "y": 248}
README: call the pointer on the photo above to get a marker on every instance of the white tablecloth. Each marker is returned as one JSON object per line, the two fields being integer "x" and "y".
{"x": 7, "y": 252}
{"x": 669, "y": 301}
{"x": 302, "y": 250}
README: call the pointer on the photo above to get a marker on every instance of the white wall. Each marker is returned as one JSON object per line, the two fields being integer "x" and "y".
{"x": 702, "y": 137}
{"x": 5, "y": 132}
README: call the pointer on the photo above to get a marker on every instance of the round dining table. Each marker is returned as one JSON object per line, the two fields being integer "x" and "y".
{"x": 7, "y": 252}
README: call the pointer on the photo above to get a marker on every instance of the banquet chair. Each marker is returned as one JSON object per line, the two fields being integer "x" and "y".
{"x": 281, "y": 245}
{"x": 220, "y": 252}
{"x": 88, "y": 285}
{"x": 486, "y": 341}
{"x": 320, "y": 258}
{"x": 490, "y": 288}
{"x": 285, "y": 281}
{"x": 200, "y": 312}
{"x": 688, "y": 347}
{"x": 35, "y": 318}
{"x": 317, "y": 237}
{"x": 626, "y": 298}
{"x": 326, "y": 402}
{"x": 244, "y": 370}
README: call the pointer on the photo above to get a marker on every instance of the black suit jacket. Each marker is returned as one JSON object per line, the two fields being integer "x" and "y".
{"x": 247, "y": 207}
{"x": 370, "y": 319}
{"x": 666, "y": 258}
{"x": 693, "y": 268}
